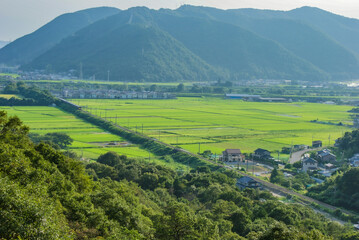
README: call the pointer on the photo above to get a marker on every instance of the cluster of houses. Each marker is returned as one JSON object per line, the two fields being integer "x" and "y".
{"x": 235, "y": 155}
{"x": 327, "y": 162}
{"x": 40, "y": 74}
{"x": 112, "y": 94}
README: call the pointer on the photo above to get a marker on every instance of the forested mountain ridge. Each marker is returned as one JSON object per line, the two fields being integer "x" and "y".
{"x": 229, "y": 51}
{"x": 46, "y": 195}
{"x": 207, "y": 44}
{"x": 132, "y": 52}
{"x": 324, "y": 39}
{"x": 28, "y": 47}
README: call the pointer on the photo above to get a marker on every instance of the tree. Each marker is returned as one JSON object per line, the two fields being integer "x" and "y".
{"x": 61, "y": 139}
{"x": 110, "y": 158}
{"x": 177, "y": 222}
{"x": 149, "y": 181}
{"x": 180, "y": 87}
{"x": 153, "y": 88}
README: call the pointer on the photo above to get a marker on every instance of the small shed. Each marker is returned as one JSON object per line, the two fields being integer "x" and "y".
{"x": 317, "y": 144}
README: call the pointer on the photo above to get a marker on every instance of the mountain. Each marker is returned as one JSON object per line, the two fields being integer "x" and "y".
{"x": 129, "y": 51}
{"x": 3, "y": 44}
{"x": 342, "y": 29}
{"x": 242, "y": 52}
{"x": 25, "y": 49}
{"x": 191, "y": 49}
{"x": 307, "y": 32}
{"x": 202, "y": 43}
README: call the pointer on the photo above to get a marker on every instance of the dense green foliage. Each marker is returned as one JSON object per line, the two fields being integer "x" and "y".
{"x": 340, "y": 190}
{"x": 349, "y": 143}
{"x": 58, "y": 140}
{"x": 33, "y": 96}
{"x": 46, "y": 195}
{"x": 30, "y": 46}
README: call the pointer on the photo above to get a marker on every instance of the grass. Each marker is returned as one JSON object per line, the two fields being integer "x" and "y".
{"x": 89, "y": 141}
{"x": 8, "y": 96}
{"x": 10, "y": 74}
{"x": 198, "y": 124}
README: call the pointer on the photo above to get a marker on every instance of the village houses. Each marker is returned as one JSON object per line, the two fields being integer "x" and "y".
{"x": 309, "y": 164}
{"x": 232, "y": 155}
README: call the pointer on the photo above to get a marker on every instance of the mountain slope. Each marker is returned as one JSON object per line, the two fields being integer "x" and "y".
{"x": 342, "y": 29}
{"x": 26, "y": 48}
{"x": 309, "y": 44}
{"x": 129, "y": 51}
{"x": 135, "y": 45}
{"x": 301, "y": 36}
{"x": 245, "y": 54}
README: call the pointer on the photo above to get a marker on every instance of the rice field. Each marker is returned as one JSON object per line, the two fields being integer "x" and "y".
{"x": 8, "y": 96}
{"x": 89, "y": 141}
{"x": 199, "y": 124}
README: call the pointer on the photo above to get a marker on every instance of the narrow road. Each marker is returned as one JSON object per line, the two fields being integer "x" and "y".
{"x": 296, "y": 156}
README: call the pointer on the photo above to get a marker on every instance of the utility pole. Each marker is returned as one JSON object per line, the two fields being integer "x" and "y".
{"x": 81, "y": 73}
{"x": 142, "y": 128}
{"x": 329, "y": 139}
{"x": 278, "y": 155}
{"x": 199, "y": 148}
{"x": 253, "y": 166}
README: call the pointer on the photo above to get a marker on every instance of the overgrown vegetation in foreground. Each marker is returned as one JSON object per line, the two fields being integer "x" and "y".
{"x": 46, "y": 195}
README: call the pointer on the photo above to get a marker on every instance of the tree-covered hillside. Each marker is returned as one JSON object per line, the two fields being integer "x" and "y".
{"x": 46, "y": 195}
{"x": 324, "y": 39}
{"x": 245, "y": 54}
{"x": 130, "y": 52}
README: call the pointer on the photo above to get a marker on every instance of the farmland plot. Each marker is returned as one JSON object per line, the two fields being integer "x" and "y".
{"x": 89, "y": 140}
{"x": 198, "y": 124}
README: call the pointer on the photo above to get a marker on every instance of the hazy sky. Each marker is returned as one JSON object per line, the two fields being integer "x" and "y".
{"x": 20, "y": 17}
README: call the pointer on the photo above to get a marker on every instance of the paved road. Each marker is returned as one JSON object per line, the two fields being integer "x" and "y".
{"x": 296, "y": 156}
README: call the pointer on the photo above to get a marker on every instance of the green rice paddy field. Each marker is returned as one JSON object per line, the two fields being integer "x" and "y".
{"x": 216, "y": 124}
{"x": 89, "y": 140}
